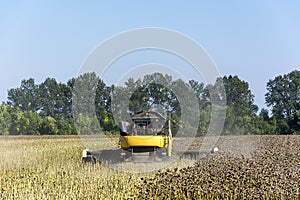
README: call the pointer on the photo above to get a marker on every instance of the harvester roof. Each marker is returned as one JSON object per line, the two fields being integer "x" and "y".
{"x": 148, "y": 115}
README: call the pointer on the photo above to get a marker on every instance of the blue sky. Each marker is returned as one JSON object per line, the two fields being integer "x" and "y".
{"x": 256, "y": 40}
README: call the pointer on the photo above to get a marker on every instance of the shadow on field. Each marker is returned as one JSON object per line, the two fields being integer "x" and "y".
{"x": 104, "y": 156}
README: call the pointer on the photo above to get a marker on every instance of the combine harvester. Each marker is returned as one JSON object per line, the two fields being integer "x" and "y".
{"x": 147, "y": 138}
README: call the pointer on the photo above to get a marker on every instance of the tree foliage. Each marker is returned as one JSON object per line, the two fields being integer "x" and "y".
{"x": 25, "y": 97}
{"x": 5, "y": 119}
{"x": 86, "y": 105}
{"x": 283, "y": 97}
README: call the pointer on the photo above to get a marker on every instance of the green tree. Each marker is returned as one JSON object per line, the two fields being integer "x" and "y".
{"x": 16, "y": 115}
{"x": 239, "y": 96}
{"x": 202, "y": 94}
{"x": 103, "y": 107}
{"x": 55, "y": 99}
{"x": 184, "y": 105}
{"x": 239, "y": 102}
{"x": 26, "y": 97}
{"x": 87, "y": 125}
{"x": 48, "y": 126}
{"x": 120, "y": 104}
{"x": 84, "y": 94}
{"x": 87, "y": 100}
{"x": 296, "y": 123}
{"x": 66, "y": 126}
{"x": 158, "y": 88}
{"x": 25, "y": 123}
{"x": 265, "y": 114}
{"x": 139, "y": 100}
{"x": 5, "y": 119}
{"x": 30, "y": 123}
{"x": 150, "y": 93}
{"x": 283, "y": 97}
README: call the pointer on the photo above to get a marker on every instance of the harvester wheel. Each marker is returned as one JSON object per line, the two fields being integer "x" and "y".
{"x": 89, "y": 159}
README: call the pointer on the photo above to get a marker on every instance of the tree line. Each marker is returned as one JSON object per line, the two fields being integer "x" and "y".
{"x": 48, "y": 108}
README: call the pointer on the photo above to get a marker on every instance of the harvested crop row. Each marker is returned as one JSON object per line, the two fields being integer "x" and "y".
{"x": 270, "y": 168}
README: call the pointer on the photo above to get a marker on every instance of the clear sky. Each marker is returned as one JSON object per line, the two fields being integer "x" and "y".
{"x": 256, "y": 40}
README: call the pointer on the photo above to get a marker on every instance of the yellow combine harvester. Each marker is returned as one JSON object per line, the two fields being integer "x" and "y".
{"x": 148, "y": 134}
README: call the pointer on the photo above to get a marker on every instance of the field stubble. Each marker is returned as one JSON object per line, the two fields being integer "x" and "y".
{"x": 51, "y": 168}
{"x": 247, "y": 167}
